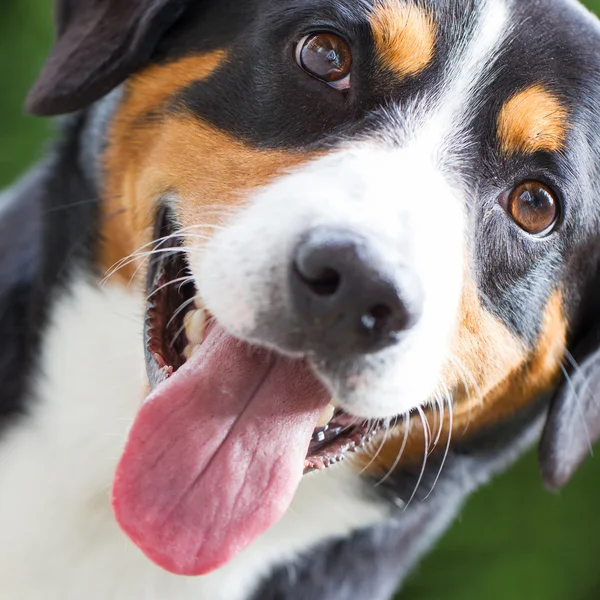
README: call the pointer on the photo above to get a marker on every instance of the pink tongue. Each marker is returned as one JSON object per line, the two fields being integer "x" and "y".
{"x": 215, "y": 454}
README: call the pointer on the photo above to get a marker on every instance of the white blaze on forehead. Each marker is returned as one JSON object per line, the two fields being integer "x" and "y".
{"x": 435, "y": 123}
{"x": 472, "y": 62}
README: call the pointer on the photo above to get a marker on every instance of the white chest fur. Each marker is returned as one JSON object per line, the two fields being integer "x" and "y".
{"x": 58, "y": 539}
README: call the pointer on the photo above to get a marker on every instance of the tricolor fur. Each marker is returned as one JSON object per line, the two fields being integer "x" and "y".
{"x": 201, "y": 109}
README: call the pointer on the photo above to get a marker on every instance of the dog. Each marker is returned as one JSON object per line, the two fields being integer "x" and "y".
{"x": 295, "y": 279}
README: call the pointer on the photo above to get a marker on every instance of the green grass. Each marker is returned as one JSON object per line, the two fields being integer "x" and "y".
{"x": 25, "y": 37}
{"x": 513, "y": 541}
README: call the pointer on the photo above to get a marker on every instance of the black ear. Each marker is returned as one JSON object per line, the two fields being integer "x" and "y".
{"x": 573, "y": 424}
{"x": 99, "y": 43}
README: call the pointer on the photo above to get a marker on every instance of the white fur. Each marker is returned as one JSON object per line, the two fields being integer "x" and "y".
{"x": 58, "y": 538}
{"x": 468, "y": 70}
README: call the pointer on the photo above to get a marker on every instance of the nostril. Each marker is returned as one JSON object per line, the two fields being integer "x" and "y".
{"x": 377, "y": 318}
{"x": 324, "y": 282}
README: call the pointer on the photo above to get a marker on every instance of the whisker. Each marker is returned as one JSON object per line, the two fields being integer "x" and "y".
{"x": 448, "y": 444}
{"x": 462, "y": 370}
{"x": 143, "y": 255}
{"x": 123, "y": 263}
{"x": 407, "y": 425}
{"x": 177, "y": 334}
{"x": 157, "y": 244}
{"x": 578, "y": 406}
{"x": 439, "y": 404}
{"x": 186, "y": 279}
{"x": 426, "y": 432}
{"x": 183, "y": 306}
{"x": 374, "y": 457}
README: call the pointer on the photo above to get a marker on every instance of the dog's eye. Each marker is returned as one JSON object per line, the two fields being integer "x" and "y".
{"x": 534, "y": 207}
{"x": 327, "y": 57}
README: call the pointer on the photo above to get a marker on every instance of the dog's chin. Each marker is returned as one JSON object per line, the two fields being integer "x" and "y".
{"x": 177, "y": 325}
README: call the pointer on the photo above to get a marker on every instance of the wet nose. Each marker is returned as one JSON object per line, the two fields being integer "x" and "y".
{"x": 346, "y": 300}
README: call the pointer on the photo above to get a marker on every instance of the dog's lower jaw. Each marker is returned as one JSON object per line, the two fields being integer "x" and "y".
{"x": 58, "y": 465}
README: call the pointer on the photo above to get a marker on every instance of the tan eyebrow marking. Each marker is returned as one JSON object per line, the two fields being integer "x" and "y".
{"x": 533, "y": 120}
{"x": 405, "y": 36}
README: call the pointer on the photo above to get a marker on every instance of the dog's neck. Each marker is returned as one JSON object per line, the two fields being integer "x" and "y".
{"x": 48, "y": 227}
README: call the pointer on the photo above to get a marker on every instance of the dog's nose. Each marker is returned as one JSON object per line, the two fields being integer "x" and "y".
{"x": 344, "y": 297}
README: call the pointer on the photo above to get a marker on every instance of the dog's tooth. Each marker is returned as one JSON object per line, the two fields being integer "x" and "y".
{"x": 187, "y": 351}
{"x": 326, "y": 416}
{"x": 195, "y": 326}
{"x": 187, "y": 323}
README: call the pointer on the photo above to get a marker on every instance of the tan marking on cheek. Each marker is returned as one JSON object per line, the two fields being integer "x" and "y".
{"x": 533, "y": 120}
{"x": 208, "y": 170}
{"x": 540, "y": 372}
{"x": 492, "y": 380}
{"x": 405, "y": 36}
{"x": 131, "y": 136}
{"x": 483, "y": 350}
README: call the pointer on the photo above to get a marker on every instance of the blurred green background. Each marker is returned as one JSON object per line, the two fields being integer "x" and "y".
{"x": 514, "y": 541}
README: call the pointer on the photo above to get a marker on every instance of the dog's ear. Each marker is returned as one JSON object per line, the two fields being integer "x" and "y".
{"x": 573, "y": 424}
{"x": 98, "y": 44}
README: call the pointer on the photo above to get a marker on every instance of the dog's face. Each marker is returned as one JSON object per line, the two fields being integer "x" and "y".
{"x": 398, "y": 198}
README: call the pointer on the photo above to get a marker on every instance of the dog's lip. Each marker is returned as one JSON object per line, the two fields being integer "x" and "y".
{"x": 342, "y": 435}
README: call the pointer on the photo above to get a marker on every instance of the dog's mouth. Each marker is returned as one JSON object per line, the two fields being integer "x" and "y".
{"x": 177, "y": 323}
{"x": 218, "y": 449}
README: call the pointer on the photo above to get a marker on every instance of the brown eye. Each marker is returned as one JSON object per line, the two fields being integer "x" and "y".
{"x": 327, "y": 57}
{"x": 534, "y": 207}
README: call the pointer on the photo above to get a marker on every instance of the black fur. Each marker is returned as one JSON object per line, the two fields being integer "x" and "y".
{"x": 48, "y": 229}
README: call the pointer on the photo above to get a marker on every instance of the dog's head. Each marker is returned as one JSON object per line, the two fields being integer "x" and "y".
{"x": 393, "y": 203}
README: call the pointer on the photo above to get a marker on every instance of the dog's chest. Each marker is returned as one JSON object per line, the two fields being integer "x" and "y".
{"x": 57, "y": 535}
